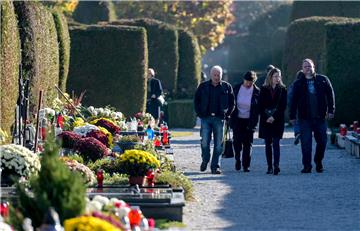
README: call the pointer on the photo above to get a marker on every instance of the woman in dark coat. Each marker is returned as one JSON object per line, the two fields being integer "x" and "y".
{"x": 154, "y": 91}
{"x": 273, "y": 99}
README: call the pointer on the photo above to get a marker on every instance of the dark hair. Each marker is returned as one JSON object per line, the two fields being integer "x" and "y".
{"x": 250, "y": 76}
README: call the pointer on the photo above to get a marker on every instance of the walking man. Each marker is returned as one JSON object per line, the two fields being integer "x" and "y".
{"x": 214, "y": 102}
{"x": 313, "y": 101}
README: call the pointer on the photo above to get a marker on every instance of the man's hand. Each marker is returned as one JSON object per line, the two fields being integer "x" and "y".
{"x": 270, "y": 120}
{"x": 330, "y": 116}
{"x": 292, "y": 122}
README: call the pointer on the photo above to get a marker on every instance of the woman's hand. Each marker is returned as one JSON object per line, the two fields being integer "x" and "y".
{"x": 270, "y": 120}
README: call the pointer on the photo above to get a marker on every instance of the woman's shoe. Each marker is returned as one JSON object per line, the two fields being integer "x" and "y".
{"x": 276, "y": 171}
{"x": 269, "y": 171}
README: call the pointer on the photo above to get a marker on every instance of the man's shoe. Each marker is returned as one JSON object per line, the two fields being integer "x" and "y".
{"x": 306, "y": 170}
{"x": 216, "y": 171}
{"x": 203, "y": 167}
{"x": 276, "y": 171}
{"x": 270, "y": 171}
{"x": 237, "y": 165}
{"x": 246, "y": 169}
{"x": 319, "y": 168}
{"x": 297, "y": 139}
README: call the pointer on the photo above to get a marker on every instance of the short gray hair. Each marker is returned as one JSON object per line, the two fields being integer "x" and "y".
{"x": 216, "y": 68}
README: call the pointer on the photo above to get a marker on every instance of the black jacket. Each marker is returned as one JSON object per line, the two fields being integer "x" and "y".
{"x": 254, "y": 108}
{"x": 325, "y": 95}
{"x": 201, "y": 100}
{"x": 275, "y": 129}
{"x": 155, "y": 88}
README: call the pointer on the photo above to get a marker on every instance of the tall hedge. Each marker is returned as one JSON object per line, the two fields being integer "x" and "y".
{"x": 304, "y": 9}
{"x": 305, "y": 38}
{"x": 181, "y": 114}
{"x": 64, "y": 47}
{"x": 91, "y": 12}
{"x": 163, "y": 50}
{"x": 342, "y": 67}
{"x": 9, "y": 65}
{"x": 189, "y": 73}
{"x": 40, "y": 51}
{"x": 110, "y": 63}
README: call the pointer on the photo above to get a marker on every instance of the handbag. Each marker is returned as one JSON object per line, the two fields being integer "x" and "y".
{"x": 228, "y": 149}
{"x": 270, "y": 112}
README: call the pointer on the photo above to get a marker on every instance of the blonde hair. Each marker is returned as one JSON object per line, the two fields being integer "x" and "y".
{"x": 268, "y": 82}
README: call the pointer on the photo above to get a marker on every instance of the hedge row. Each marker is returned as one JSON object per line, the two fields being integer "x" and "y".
{"x": 163, "y": 49}
{"x": 9, "y": 65}
{"x": 189, "y": 73}
{"x": 342, "y": 67}
{"x": 181, "y": 114}
{"x": 305, "y": 38}
{"x": 91, "y": 12}
{"x": 304, "y": 9}
{"x": 64, "y": 47}
{"x": 110, "y": 63}
{"x": 40, "y": 52}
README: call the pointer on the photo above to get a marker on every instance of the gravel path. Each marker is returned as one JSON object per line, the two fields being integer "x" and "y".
{"x": 255, "y": 201}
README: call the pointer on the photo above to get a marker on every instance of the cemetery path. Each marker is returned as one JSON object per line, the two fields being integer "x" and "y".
{"x": 255, "y": 201}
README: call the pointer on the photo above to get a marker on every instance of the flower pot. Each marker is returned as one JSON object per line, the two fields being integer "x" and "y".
{"x": 137, "y": 180}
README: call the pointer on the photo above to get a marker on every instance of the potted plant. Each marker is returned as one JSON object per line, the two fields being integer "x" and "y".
{"x": 136, "y": 163}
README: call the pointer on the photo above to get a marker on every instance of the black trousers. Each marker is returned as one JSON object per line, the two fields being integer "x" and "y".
{"x": 243, "y": 139}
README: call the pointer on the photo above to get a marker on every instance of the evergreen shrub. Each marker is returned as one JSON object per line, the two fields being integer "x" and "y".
{"x": 181, "y": 114}
{"x": 91, "y": 12}
{"x": 163, "y": 50}
{"x": 110, "y": 63}
{"x": 9, "y": 66}
{"x": 189, "y": 73}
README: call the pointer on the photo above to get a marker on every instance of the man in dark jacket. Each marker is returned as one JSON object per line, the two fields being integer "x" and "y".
{"x": 154, "y": 95}
{"x": 214, "y": 102}
{"x": 313, "y": 101}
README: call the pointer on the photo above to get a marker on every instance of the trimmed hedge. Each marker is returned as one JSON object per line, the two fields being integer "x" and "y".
{"x": 304, "y": 9}
{"x": 9, "y": 65}
{"x": 110, "y": 63}
{"x": 40, "y": 51}
{"x": 277, "y": 44}
{"x": 189, "y": 73}
{"x": 342, "y": 67}
{"x": 181, "y": 114}
{"x": 64, "y": 47}
{"x": 305, "y": 38}
{"x": 163, "y": 50}
{"x": 91, "y": 12}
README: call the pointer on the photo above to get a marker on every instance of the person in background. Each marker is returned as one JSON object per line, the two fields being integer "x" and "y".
{"x": 260, "y": 81}
{"x": 313, "y": 101}
{"x": 214, "y": 102}
{"x": 244, "y": 119}
{"x": 273, "y": 96}
{"x": 154, "y": 95}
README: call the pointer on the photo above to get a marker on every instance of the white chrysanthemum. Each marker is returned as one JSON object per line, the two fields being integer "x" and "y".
{"x": 103, "y": 200}
{"x": 83, "y": 130}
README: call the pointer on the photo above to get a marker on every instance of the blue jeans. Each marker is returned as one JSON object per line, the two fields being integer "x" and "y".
{"x": 209, "y": 126}
{"x": 318, "y": 126}
{"x": 272, "y": 144}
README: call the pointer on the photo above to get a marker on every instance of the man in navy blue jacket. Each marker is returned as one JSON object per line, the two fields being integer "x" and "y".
{"x": 313, "y": 102}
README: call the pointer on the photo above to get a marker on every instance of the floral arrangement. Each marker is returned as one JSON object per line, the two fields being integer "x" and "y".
{"x": 130, "y": 138}
{"x": 78, "y": 122}
{"x": 100, "y": 136}
{"x": 91, "y": 149}
{"x": 75, "y": 166}
{"x": 83, "y": 130}
{"x": 108, "y": 134}
{"x": 19, "y": 160}
{"x": 47, "y": 113}
{"x": 69, "y": 139}
{"x": 109, "y": 165}
{"x": 108, "y": 124}
{"x": 105, "y": 112}
{"x": 88, "y": 223}
{"x": 137, "y": 162}
{"x": 145, "y": 118}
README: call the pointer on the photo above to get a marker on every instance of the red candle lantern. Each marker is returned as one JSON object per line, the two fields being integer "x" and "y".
{"x": 135, "y": 217}
{"x": 4, "y": 209}
{"x": 150, "y": 178}
{"x": 157, "y": 142}
{"x": 343, "y": 129}
{"x": 100, "y": 178}
{"x": 60, "y": 120}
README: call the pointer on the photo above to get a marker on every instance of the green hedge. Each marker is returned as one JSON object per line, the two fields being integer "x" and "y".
{"x": 64, "y": 47}
{"x": 181, "y": 114}
{"x": 9, "y": 65}
{"x": 40, "y": 51}
{"x": 277, "y": 44}
{"x": 91, "y": 12}
{"x": 342, "y": 67}
{"x": 110, "y": 63}
{"x": 304, "y": 9}
{"x": 305, "y": 38}
{"x": 163, "y": 50}
{"x": 189, "y": 73}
